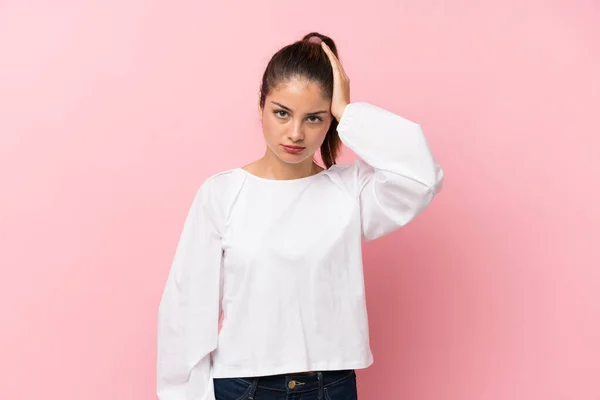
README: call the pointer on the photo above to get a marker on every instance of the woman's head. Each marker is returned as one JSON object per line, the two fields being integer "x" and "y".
{"x": 295, "y": 102}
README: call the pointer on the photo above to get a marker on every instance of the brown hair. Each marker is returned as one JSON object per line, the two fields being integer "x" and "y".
{"x": 305, "y": 59}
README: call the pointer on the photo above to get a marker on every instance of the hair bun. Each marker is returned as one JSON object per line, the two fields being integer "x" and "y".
{"x": 316, "y": 37}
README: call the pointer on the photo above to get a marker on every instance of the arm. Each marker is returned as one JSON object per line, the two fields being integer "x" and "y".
{"x": 189, "y": 309}
{"x": 399, "y": 176}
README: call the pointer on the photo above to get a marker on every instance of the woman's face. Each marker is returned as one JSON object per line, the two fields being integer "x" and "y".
{"x": 295, "y": 120}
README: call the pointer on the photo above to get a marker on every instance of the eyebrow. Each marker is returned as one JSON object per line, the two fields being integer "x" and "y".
{"x": 288, "y": 109}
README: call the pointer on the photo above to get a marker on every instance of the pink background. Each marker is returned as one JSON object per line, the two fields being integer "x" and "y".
{"x": 113, "y": 112}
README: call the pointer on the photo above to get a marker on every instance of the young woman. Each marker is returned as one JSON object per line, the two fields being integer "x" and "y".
{"x": 275, "y": 247}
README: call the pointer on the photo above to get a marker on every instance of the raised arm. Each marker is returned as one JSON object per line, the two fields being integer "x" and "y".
{"x": 398, "y": 176}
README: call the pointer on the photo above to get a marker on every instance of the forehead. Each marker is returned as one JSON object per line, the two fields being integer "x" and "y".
{"x": 299, "y": 94}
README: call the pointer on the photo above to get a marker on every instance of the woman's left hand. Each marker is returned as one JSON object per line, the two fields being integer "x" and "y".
{"x": 341, "y": 85}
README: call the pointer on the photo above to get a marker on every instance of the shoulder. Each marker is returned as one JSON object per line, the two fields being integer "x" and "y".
{"x": 349, "y": 173}
{"x": 217, "y": 193}
{"x": 219, "y": 186}
{"x": 221, "y": 180}
{"x": 349, "y": 177}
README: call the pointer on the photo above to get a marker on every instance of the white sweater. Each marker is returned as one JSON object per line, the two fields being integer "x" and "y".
{"x": 282, "y": 260}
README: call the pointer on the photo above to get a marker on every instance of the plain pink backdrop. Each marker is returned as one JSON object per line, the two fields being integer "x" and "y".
{"x": 113, "y": 112}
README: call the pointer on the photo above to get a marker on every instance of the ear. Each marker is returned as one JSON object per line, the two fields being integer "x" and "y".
{"x": 260, "y": 111}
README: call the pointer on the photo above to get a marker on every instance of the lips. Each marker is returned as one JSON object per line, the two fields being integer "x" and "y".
{"x": 293, "y": 149}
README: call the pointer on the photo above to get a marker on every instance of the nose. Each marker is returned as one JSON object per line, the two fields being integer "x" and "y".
{"x": 296, "y": 134}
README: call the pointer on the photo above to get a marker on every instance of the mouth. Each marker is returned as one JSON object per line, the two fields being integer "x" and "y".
{"x": 293, "y": 149}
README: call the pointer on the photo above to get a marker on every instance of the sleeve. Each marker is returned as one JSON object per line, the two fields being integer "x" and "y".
{"x": 398, "y": 175}
{"x": 188, "y": 313}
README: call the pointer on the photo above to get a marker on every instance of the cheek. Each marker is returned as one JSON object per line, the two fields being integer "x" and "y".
{"x": 272, "y": 130}
{"x": 318, "y": 133}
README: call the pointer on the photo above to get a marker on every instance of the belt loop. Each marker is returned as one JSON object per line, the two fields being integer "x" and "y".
{"x": 253, "y": 389}
{"x": 321, "y": 394}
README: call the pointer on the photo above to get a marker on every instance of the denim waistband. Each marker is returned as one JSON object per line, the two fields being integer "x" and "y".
{"x": 299, "y": 382}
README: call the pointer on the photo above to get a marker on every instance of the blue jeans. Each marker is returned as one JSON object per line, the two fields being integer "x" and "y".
{"x": 321, "y": 385}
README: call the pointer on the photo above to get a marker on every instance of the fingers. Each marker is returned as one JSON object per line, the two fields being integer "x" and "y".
{"x": 332, "y": 59}
{"x": 341, "y": 83}
{"x": 335, "y": 62}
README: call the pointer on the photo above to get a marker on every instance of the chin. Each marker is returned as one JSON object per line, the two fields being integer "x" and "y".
{"x": 290, "y": 159}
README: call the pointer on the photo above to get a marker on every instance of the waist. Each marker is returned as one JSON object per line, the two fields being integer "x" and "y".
{"x": 299, "y": 381}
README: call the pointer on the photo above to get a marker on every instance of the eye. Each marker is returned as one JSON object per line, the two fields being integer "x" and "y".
{"x": 315, "y": 119}
{"x": 279, "y": 115}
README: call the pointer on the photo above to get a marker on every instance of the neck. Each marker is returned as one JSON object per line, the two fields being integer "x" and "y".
{"x": 271, "y": 167}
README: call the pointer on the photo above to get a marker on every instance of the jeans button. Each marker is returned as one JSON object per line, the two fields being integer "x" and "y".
{"x": 292, "y": 384}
